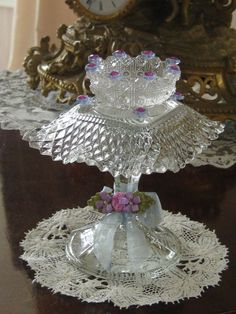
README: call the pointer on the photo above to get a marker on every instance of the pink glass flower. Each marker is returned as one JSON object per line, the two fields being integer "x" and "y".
{"x": 119, "y": 201}
{"x": 129, "y": 195}
{"x": 104, "y": 204}
{"x": 105, "y": 196}
{"x": 109, "y": 208}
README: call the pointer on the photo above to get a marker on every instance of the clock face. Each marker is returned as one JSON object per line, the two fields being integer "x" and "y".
{"x": 105, "y": 9}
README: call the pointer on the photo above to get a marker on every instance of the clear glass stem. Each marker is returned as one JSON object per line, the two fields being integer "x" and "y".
{"x": 123, "y": 184}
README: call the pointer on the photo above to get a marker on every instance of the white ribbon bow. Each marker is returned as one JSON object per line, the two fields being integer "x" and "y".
{"x": 137, "y": 244}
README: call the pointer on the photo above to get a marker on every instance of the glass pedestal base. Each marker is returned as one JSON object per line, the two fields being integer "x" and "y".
{"x": 125, "y": 247}
{"x": 165, "y": 249}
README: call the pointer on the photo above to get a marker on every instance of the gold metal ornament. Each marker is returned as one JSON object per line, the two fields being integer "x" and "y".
{"x": 198, "y": 32}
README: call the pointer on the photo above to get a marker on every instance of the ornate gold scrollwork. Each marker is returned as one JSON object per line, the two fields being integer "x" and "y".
{"x": 207, "y": 49}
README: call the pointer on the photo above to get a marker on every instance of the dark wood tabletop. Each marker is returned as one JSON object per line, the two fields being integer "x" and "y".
{"x": 33, "y": 187}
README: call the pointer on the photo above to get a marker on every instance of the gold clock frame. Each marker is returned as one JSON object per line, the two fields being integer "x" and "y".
{"x": 79, "y": 9}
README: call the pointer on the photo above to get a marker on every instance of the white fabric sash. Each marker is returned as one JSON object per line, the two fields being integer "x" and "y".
{"x": 137, "y": 244}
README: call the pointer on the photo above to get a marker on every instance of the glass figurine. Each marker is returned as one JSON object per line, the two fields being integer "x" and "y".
{"x": 135, "y": 124}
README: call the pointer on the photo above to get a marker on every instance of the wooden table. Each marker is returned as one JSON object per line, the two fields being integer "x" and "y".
{"x": 33, "y": 187}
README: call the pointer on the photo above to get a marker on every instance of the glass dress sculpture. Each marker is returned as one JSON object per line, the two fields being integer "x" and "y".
{"x": 133, "y": 125}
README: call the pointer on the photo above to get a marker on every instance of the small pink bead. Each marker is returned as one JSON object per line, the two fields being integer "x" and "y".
{"x": 140, "y": 112}
{"x": 140, "y": 109}
{"x": 114, "y": 73}
{"x": 149, "y": 54}
{"x": 174, "y": 69}
{"x": 172, "y": 61}
{"x": 91, "y": 65}
{"x": 94, "y": 58}
{"x": 82, "y": 100}
{"x": 119, "y": 53}
{"x": 82, "y": 97}
{"x": 149, "y": 75}
{"x": 178, "y": 96}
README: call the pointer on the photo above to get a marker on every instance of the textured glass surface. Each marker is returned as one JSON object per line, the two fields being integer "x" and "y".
{"x": 142, "y": 82}
{"x": 125, "y": 246}
{"x": 124, "y": 145}
{"x": 164, "y": 246}
{"x": 133, "y": 125}
{"x": 23, "y": 109}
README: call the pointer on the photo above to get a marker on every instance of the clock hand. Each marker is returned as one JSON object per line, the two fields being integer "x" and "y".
{"x": 113, "y": 3}
{"x": 89, "y": 3}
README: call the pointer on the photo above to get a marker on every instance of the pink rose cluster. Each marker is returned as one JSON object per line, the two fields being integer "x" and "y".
{"x": 118, "y": 202}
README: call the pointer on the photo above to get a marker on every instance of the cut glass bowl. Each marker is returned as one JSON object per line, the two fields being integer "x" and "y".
{"x": 126, "y": 82}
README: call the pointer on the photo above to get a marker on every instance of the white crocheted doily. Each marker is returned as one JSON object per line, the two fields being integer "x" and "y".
{"x": 203, "y": 260}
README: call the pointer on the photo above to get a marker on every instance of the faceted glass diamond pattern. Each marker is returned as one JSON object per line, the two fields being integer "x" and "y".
{"x": 121, "y": 147}
{"x": 132, "y": 89}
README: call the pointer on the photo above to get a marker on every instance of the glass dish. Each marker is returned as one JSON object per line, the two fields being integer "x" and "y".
{"x": 133, "y": 125}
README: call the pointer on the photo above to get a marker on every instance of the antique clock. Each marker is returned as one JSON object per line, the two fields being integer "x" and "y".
{"x": 197, "y": 32}
{"x": 102, "y": 10}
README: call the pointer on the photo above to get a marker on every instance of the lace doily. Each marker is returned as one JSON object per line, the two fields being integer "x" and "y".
{"x": 23, "y": 109}
{"x": 203, "y": 260}
{"x": 222, "y": 152}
